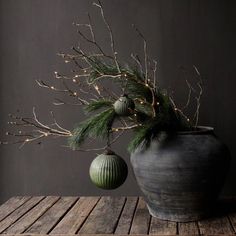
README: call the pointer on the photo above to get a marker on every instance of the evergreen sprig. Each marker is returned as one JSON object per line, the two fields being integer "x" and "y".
{"x": 97, "y": 126}
{"x": 167, "y": 118}
{"x": 98, "y": 105}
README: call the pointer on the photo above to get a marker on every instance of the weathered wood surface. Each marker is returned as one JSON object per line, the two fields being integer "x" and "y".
{"x": 104, "y": 217}
{"x": 30, "y": 217}
{"x": 215, "y": 226}
{"x": 48, "y": 220}
{"x": 190, "y": 228}
{"x": 11, "y": 205}
{"x": 141, "y": 221}
{"x": 18, "y": 213}
{"x": 124, "y": 224}
{"x": 72, "y": 221}
{"x": 100, "y": 215}
{"x": 162, "y": 227}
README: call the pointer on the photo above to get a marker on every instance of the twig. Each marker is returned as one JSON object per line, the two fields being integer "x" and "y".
{"x": 59, "y": 102}
{"x": 41, "y": 131}
{"x": 145, "y": 52}
{"x": 154, "y": 74}
{"x": 178, "y": 110}
{"x": 66, "y": 90}
{"x": 93, "y": 41}
{"x": 56, "y": 123}
{"x": 189, "y": 95}
{"x": 110, "y": 33}
{"x": 198, "y": 97}
{"x": 125, "y": 127}
{"x": 137, "y": 60}
{"x": 196, "y": 115}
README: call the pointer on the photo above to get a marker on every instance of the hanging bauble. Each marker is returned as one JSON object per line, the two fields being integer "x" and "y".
{"x": 124, "y": 106}
{"x": 108, "y": 170}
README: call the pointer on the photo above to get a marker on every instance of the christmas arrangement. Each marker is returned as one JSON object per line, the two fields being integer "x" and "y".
{"x": 137, "y": 103}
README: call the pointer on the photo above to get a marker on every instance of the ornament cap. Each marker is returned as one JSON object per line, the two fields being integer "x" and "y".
{"x": 108, "y": 151}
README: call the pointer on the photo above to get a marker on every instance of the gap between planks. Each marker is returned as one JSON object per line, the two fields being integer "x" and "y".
{"x": 95, "y": 215}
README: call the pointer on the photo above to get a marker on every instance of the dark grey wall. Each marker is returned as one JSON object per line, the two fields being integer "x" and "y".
{"x": 183, "y": 32}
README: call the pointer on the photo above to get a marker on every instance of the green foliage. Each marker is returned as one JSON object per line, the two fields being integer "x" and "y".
{"x": 154, "y": 109}
{"x": 130, "y": 78}
{"x": 166, "y": 120}
{"x": 97, "y": 105}
{"x": 97, "y": 126}
{"x": 149, "y": 130}
{"x": 135, "y": 89}
{"x": 139, "y": 137}
{"x": 144, "y": 108}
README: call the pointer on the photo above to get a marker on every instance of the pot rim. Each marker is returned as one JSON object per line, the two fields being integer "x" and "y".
{"x": 199, "y": 130}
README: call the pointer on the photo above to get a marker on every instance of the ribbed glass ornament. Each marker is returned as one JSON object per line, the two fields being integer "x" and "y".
{"x": 124, "y": 105}
{"x": 108, "y": 171}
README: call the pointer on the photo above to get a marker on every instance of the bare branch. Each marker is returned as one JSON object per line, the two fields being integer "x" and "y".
{"x": 59, "y": 102}
{"x": 41, "y": 131}
{"x": 110, "y": 33}
{"x": 56, "y": 123}
{"x": 66, "y": 90}
{"x": 178, "y": 110}
{"x": 93, "y": 40}
{"x": 145, "y": 52}
{"x": 189, "y": 95}
{"x": 126, "y": 127}
{"x": 154, "y": 74}
{"x": 138, "y": 62}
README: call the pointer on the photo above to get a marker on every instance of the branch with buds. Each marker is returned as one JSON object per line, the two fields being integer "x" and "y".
{"x": 88, "y": 86}
{"x": 38, "y": 130}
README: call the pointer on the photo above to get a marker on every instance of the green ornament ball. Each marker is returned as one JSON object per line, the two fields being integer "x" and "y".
{"x": 108, "y": 170}
{"x": 124, "y": 106}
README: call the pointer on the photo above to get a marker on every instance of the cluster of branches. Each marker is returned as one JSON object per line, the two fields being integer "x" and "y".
{"x": 154, "y": 111}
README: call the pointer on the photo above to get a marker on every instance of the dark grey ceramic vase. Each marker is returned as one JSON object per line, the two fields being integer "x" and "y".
{"x": 182, "y": 175}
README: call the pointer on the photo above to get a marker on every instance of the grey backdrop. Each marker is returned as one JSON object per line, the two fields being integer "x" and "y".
{"x": 179, "y": 33}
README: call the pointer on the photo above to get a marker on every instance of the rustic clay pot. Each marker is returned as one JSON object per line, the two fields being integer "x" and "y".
{"x": 182, "y": 175}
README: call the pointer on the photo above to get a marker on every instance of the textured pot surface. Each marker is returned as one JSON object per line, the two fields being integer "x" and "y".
{"x": 181, "y": 176}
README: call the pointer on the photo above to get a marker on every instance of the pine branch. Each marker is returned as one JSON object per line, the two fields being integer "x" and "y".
{"x": 97, "y": 105}
{"x": 139, "y": 137}
{"x": 97, "y": 126}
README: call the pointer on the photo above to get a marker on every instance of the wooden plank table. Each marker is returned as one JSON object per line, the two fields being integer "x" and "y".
{"x": 102, "y": 215}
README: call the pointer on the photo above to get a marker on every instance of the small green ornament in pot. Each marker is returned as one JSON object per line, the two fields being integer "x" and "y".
{"x": 108, "y": 170}
{"x": 124, "y": 106}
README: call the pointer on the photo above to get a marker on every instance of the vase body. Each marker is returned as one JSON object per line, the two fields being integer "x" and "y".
{"x": 181, "y": 175}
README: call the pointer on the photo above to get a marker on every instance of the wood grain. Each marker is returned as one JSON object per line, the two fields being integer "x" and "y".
{"x": 46, "y": 222}
{"x": 124, "y": 224}
{"x": 162, "y": 227}
{"x": 219, "y": 225}
{"x": 73, "y": 220}
{"x": 28, "y": 219}
{"x": 19, "y": 212}
{"x": 232, "y": 218}
{"x": 79, "y": 235}
{"x": 141, "y": 219}
{"x": 94, "y": 215}
{"x": 190, "y": 228}
{"x": 11, "y": 205}
{"x": 104, "y": 217}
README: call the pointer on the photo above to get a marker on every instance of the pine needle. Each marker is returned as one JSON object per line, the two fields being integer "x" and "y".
{"x": 97, "y": 105}
{"x": 97, "y": 126}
